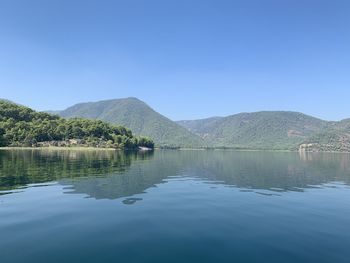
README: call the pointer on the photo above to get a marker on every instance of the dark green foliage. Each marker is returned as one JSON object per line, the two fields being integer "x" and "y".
{"x": 140, "y": 118}
{"x": 21, "y": 126}
{"x": 2, "y": 137}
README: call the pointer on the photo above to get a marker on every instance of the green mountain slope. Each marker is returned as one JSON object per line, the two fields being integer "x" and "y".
{"x": 259, "y": 130}
{"x": 335, "y": 138}
{"x": 140, "y": 118}
{"x": 329, "y": 140}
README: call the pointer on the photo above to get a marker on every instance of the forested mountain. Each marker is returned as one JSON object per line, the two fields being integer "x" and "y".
{"x": 140, "y": 118}
{"x": 270, "y": 130}
{"x": 22, "y": 126}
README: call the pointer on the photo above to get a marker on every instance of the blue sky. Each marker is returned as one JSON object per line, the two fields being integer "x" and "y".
{"x": 187, "y": 59}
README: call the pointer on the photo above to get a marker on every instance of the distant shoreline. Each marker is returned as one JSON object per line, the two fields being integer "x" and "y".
{"x": 156, "y": 148}
{"x": 254, "y": 150}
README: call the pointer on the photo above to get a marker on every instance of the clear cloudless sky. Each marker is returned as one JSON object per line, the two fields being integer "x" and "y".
{"x": 187, "y": 59}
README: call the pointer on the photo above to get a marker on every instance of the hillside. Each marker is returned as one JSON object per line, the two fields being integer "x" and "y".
{"x": 259, "y": 130}
{"x": 335, "y": 138}
{"x": 140, "y": 118}
{"x": 22, "y": 126}
{"x": 343, "y": 125}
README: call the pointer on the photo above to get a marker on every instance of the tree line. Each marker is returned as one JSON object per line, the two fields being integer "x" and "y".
{"x": 22, "y": 126}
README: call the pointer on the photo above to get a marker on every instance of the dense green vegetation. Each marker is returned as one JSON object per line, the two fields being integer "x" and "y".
{"x": 140, "y": 118}
{"x": 2, "y": 137}
{"x": 22, "y": 126}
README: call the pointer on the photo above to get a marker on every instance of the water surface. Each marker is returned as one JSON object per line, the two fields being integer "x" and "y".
{"x": 174, "y": 206}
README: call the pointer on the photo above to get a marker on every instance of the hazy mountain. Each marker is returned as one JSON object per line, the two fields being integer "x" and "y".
{"x": 258, "y": 130}
{"x": 139, "y": 117}
{"x": 54, "y": 112}
{"x": 202, "y": 126}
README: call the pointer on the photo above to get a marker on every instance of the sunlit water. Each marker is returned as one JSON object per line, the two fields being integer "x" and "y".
{"x": 174, "y": 206}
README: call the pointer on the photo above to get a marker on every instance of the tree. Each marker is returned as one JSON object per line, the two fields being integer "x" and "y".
{"x": 145, "y": 142}
{"x": 2, "y": 137}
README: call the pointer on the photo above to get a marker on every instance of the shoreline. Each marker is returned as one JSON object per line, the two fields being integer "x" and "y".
{"x": 59, "y": 148}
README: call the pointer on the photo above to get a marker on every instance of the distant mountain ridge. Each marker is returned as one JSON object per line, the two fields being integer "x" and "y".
{"x": 257, "y": 130}
{"x": 277, "y": 130}
{"x": 265, "y": 130}
{"x": 140, "y": 118}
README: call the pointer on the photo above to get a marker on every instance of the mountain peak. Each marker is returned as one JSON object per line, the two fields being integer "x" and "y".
{"x": 139, "y": 117}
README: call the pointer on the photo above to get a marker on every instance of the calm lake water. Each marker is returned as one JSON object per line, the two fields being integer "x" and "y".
{"x": 174, "y": 206}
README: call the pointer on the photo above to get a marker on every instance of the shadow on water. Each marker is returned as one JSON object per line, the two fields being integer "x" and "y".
{"x": 115, "y": 174}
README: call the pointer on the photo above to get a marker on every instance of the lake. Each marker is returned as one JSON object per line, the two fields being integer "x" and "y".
{"x": 174, "y": 206}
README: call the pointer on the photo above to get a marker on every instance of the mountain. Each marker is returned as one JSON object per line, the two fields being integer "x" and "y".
{"x": 258, "y": 130}
{"x": 270, "y": 130}
{"x": 140, "y": 118}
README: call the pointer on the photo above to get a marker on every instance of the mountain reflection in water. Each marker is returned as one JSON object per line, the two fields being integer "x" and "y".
{"x": 114, "y": 174}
